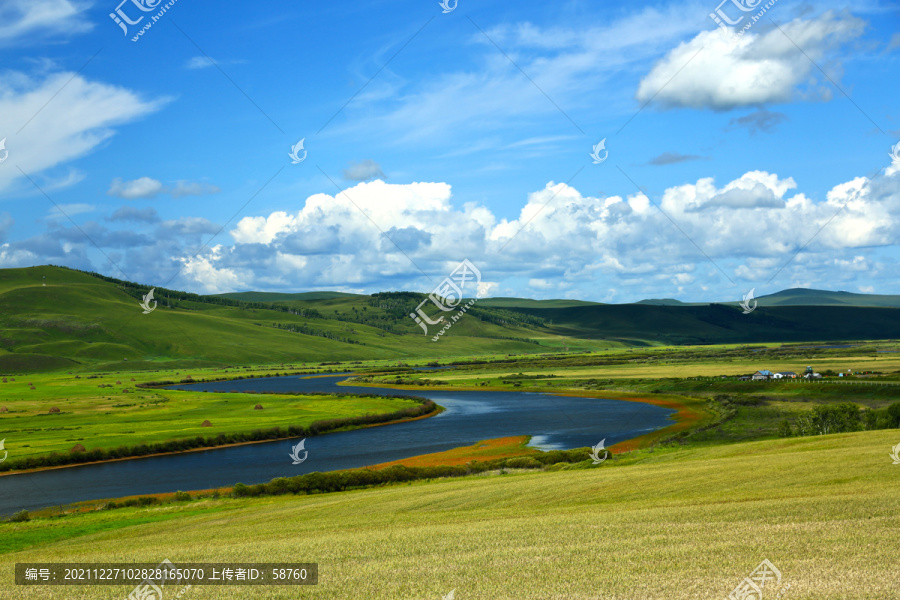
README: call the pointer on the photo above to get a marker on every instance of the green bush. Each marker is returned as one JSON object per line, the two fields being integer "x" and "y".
{"x": 181, "y": 496}
{"x": 893, "y": 412}
{"x": 523, "y": 462}
{"x": 20, "y": 517}
{"x": 785, "y": 429}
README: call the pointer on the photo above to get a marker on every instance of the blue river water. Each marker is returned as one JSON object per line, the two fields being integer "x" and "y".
{"x": 554, "y": 422}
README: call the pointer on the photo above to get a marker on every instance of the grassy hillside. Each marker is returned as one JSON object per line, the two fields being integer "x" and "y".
{"x": 78, "y": 319}
{"x": 528, "y": 303}
{"x": 810, "y": 297}
{"x": 823, "y": 510}
{"x": 281, "y": 297}
{"x": 719, "y": 324}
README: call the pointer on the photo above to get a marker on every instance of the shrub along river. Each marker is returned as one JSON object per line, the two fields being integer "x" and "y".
{"x": 554, "y": 422}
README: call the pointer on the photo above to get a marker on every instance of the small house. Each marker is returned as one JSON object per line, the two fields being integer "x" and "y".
{"x": 785, "y": 375}
{"x": 763, "y": 375}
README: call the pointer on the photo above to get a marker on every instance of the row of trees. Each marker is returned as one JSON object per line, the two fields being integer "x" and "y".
{"x": 295, "y": 328}
{"x": 841, "y": 418}
{"x": 337, "y": 481}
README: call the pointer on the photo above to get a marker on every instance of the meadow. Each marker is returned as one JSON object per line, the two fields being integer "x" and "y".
{"x": 672, "y": 523}
{"x": 684, "y": 512}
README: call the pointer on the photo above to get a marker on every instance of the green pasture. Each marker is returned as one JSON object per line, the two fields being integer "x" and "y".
{"x": 120, "y": 414}
{"x": 667, "y": 524}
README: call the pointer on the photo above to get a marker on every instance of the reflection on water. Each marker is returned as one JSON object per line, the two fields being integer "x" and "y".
{"x": 554, "y": 422}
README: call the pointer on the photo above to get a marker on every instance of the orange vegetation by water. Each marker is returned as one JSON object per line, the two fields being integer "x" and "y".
{"x": 484, "y": 450}
{"x": 684, "y": 418}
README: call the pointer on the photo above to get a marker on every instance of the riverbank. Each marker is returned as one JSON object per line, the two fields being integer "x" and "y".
{"x": 359, "y": 406}
{"x": 689, "y": 412}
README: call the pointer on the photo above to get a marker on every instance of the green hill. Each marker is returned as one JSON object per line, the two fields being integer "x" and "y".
{"x": 502, "y": 302}
{"x": 80, "y": 318}
{"x": 281, "y": 297}
{"x": 719, "y": 324}
{"x": 810, "y": 297}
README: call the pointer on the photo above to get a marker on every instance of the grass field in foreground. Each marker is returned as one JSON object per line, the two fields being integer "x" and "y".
{"x": 662, "y": 525}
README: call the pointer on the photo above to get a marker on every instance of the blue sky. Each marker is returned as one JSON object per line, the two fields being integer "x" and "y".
{"x": 734, "y": 162}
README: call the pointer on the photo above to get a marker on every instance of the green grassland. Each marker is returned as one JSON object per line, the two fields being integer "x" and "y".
{"x": 106, "y": 410}
{"x": 687, "y": 515}
{"x": 83, "y": 321}
{"x": 665, "y": 524}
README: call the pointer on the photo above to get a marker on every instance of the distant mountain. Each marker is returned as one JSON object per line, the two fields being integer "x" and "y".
{"x": 811, "y": 297}
{"x": 282, "y": 297}
{"x": 664, "y": 302}
{"x": 529, "y": 303}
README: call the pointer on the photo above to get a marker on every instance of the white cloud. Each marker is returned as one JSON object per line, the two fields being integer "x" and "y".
{"x": 63, "y": 211}
{"x": 480, "y": 102}
{"x": 561, "y": 243}
{"x": 363, "y": 171}
{"x": 143, "y": 187}
{"x": 48, "y": 130}
{"x": 147, "y": 187}
{"x": 204, "y": 62}
{"x": 40, "y": 18}
{"x": 192, "y": 188}
{"x": 757, "y": 68}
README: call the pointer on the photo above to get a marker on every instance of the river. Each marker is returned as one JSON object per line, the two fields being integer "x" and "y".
{"x": 554, "y": 422}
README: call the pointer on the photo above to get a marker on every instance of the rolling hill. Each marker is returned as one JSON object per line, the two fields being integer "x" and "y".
{"x": 59, "y": 318}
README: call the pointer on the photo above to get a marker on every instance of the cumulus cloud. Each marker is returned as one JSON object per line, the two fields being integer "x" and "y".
{"x": 147, "y": 187}
{"x": 363, "y": 171}
{"x": 560, "y": 243}
{"x": 716, "y": 71}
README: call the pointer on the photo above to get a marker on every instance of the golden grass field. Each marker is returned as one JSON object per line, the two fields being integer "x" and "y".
{"x": 653, "y": 525}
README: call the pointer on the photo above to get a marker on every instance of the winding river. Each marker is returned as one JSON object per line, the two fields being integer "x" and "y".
{"x": 554, "y": 422}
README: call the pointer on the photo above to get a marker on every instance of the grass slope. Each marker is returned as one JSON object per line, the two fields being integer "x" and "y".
{"x": 719, "y": 324}
{"x": 664, "y": 525}
{"x": 78, "y": 319}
